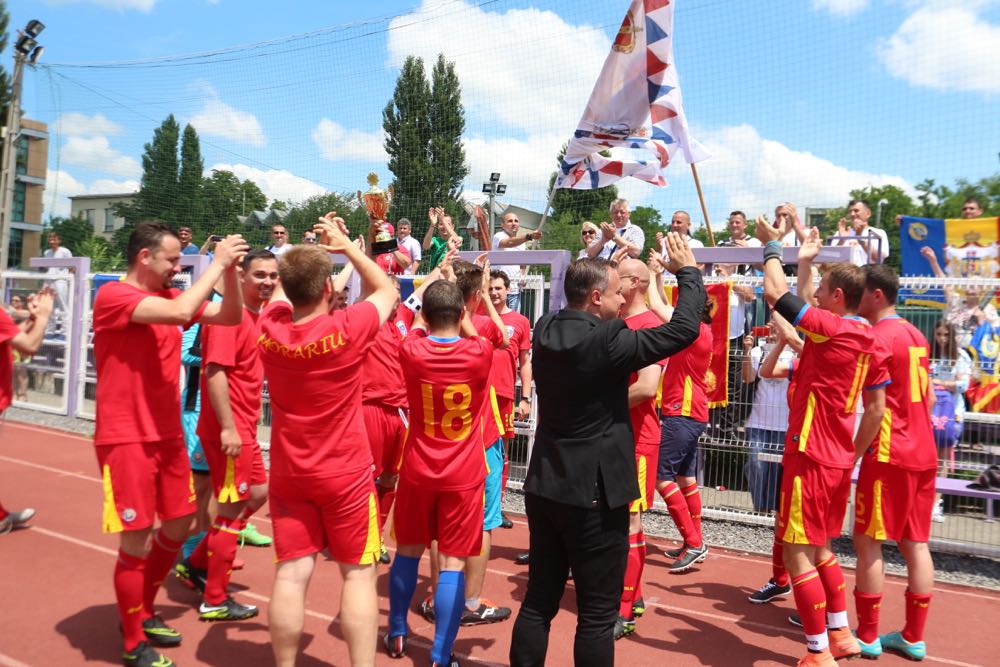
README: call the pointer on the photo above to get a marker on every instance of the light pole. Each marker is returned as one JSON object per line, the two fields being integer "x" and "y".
{"x": 878, "y": 211}
{"x": 26, "y": 49}
{"x": 493, "y": 188}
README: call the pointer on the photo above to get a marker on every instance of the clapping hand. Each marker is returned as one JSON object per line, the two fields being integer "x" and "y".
{"x": 810, "y": 247}
{"x": 332, "y": 230}
{"x": 230, "y": 250}
{"x": 766, "y": 232}
{"x": 679, "y": 254}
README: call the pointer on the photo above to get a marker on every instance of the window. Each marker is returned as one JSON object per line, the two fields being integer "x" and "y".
{"x": 15, "y": 248}
{"x": 22, "y": 156}
{"x": 109, "y": 220}
{"x": 91, "y": 215}
{"x": 17, "y": 212}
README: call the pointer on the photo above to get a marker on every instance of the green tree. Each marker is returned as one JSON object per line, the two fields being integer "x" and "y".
{"x": 279, "y": 205}
{"x": 446, "y": 120}
{"x": 5, "y": 82}
{"x": 103, "y": 258}
{"x": 74, "y": 232}
{"x": 940, "y": 201}
{"x": 581, "y": 205}
{"x": 190, "y": 207}
{"x": 305, "y": 215}
{"x": 406, "y": 122}
{"x": 226, "y": 198}
{"x": 897, "y": 202}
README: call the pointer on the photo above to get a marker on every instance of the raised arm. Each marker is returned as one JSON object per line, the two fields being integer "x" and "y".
{"x": 654, "y": 295}
{"x": 747, "y": 371}
{"x": 645, "y": 385}
{"x": 807, "y": 254}
{"x": 432, "y": 217}
{"x": 484, "y": 289}
{"x": 775, "y": 285}
{"x": 381, "y": 292}
{"x": 769, "y": 366}
{"x": 29, "y": 339}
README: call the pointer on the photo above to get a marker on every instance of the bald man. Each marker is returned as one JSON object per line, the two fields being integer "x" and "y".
{"x": 680, "y": 222}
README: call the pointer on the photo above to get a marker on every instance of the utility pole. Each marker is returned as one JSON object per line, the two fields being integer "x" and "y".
{"x": 26, "y": 49}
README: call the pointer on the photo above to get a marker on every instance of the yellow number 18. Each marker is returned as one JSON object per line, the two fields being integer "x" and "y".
{"x": 456, "y": 399}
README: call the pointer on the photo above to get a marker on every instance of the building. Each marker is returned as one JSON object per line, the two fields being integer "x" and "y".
{"x": 31, "y": 163}
{"x": 99, "y": 211}
{"x": 528, "y": 220}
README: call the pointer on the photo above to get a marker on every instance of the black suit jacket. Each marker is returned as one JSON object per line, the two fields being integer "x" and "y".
{"x": 582, "y": 366}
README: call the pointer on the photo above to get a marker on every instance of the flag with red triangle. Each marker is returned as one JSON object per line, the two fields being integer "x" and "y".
{"x": 634, "y": 123}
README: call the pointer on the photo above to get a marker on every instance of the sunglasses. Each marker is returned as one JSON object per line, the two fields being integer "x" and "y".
{"x": 308, "y": 240}
{"x": 588, "y": 232}
{"x": 279, "y": 233}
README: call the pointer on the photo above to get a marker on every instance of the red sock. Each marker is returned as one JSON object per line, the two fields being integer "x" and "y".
{"x": 386, "y": 497}
{"x": 158, "y": 563}
{"x": 679, "y": 512}
{"x": 633, "y": 573}
{"x": 199, "y": 557}
{"x": 129, "y": 578}
{"x": 692, "y": 496}
{"x": 778, "y": 571}
{"x": 868, "y": 606}
{"x": 505, "y": 473}
{"x": 917, "y": 608}
{"x": 222, "y": 540}
{"x": 833, "y": 585}
{"x": 3, "y": 512}
{"x": 810, "y": 602}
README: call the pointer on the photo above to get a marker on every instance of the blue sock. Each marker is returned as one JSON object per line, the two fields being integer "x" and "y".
{"x": 402, "y": 583}
{"x": 191, "y": 543}
{"x": 449, "y": 603}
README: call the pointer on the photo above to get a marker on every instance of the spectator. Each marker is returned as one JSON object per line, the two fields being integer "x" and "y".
{"x": 394, "y": 262}
{"x": 309, "y": 237}
{"x": 447, "y": 238}
{"x": 589, "y": 233}
{"x": 280, "y": 244}
{"x": 19, "y": 312}
{"x": 787, "y": 213}
{"x": 403, "y": 230}
{"x": 187, "y": 247}
{"x": 739, "y": 395}
{"x": 873, "y": 243}
{"x": 963, "y": 312}
{"x": 57, "y": 251}
{"x": 507, "y": 239}
{"x": 621, "y": 234}
{"x": 951, "y": 368}
{"x": 680, "y": 222}
{"x": 972, "y": 208}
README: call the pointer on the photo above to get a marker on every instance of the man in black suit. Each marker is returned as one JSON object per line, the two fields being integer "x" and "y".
{"x": 582, "y": 476}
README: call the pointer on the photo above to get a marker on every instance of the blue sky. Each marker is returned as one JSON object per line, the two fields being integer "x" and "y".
{"x": 800, "y": 102}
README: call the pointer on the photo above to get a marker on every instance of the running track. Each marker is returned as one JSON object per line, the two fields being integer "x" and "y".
{"x": 58, "y": 606}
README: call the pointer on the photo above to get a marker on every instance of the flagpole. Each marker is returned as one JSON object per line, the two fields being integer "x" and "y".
{"x": 548, "y": 205}
{"x": 704, "y": 211}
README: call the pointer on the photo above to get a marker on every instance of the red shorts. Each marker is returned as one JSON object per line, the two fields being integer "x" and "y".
{"x": 144, "y": 480}
{"x": 646, "y": 459}
{"x": 892, "y": 503}
{"x": 386, "y": 434}
{"x": 232, "y": 478}
{"x": 453, "y": 518}
{"x": 339, "y": 513}
{"x": 506, "y": 406}
{"x": 813, "y": 501}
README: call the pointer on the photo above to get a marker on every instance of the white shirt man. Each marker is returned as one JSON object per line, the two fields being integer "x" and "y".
{"x": 412, "y": 246}
{"x": 57, "y": 251}
{"x": 280, "y": 243}
{"x": 872, "y": 245}
{"x": 508, "y": 239}
{"x": 680, "y": 222}
{"x": 622, "y": 233}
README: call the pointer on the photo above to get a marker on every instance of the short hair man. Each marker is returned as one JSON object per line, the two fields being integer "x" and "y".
{"x": 441, "y": 485}
{"x": 873, "y": 242}
{"x": 836, "y": 366}
{"x": 680, "y": 222}
{"x": 404, "y": 231}
{"x": 309, "y": 237}
{"x": 279, "y": 241}
{"x": 138, "y": 435}
{"x": 620, "y": 234}
{"x": 508, "y": 239}
{"x": 582, "y": 475}
{"x": 437, "y": 246}
{"x": 972, "y": 208}
{"x": 232, "y": 381}
{"x": 321, "y": 488}
{"x": 187, "y": 246}
{"x": 57, "y": 250}
{"x": 895, "y": 494}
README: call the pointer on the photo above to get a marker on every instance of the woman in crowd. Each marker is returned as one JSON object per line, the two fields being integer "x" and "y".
{"x": 951, "y": 367}
{"x": 589, "y": 234}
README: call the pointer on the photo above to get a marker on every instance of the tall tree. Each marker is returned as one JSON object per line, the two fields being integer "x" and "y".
{"x": 158, "y": 189}
{"x": 5, "y": 82}
{"x": 407, "y": 128}
{"x": 190, "y": 207}
{"x": 447, "y": 124}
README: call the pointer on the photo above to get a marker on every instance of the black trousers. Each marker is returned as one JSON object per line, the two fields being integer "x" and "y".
{"x": 594, "y": 543}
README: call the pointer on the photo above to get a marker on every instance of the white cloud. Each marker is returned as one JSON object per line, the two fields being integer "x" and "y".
{"x": 96, "y": 153}
{"x": 946, "y": 46}
{"x": 275, "y": 183}
{"x": 140, "y": 5}
{"x": 840, "y": 7}
{"x": 81, "y": 125}
{"x": 60, "y": 185}
{"x": 756, "y": 173}
{"x": 338, "y": 143}
{"x": 218, "y": 119}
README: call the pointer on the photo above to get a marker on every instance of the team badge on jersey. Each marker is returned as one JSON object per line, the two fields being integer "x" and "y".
{"x": 401, "y": 327}
{"x": 128, "y": 515}
{"x": 510, "y": 331}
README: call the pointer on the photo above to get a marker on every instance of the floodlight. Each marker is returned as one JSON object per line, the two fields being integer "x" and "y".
{"x": 501, "y": 188}
{"x": 34, "y": 27}
{"x": 25, "y": 44}
{"x": 36, "y": 54}
{"x": 487, "y": 188}
{"x": 495, "y": 176}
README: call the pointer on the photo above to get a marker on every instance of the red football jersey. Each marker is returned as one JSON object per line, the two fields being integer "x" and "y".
{"x": 505, "y": 360}
{"x": 906, "y": 438}
{"x": 447, "y": 386}
{"x": 492, "y": 421}
{"x": 683, "y": 388}
{"x": 138, "y": 369}
{"x": 381, "y": 375}
{"x": 313, "y": 372}
{"x": 8, "y": 329}
{"x": 645, "y": 417}
{"x": 235, "y": 349}
{"x": 837, "y": 363}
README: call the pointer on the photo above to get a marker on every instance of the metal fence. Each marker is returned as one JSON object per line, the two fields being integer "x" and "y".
{"x": 61, "y": 379}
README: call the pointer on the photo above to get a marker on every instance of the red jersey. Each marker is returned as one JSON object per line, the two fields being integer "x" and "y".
{"x": 492, "y": 421}
{"x": 505, "y": 361}
{"x": 388, "y": 262}
{"x": 8, "y": 329}
{"x": 235, "y": 349}
{"x": 836, "y": 364}
{"x": 683, "y": 388}
{"x": 313, "y": 374}
{"x": 381, "y": 375}
{"x": 906, "y": 438}
{"x": 138, "y": 369}
{"x": 447, "y": 385}
{"x": 645, "y": 418}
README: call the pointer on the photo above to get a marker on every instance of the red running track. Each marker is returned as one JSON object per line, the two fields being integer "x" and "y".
{"x": 58, "y": 606}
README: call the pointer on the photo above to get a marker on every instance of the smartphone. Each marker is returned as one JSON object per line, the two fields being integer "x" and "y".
{"x": 214, "y": 238}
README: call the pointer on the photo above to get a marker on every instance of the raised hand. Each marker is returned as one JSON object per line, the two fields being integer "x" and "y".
{"x": 42, "y": 303}
{"x": 230, "y": 250}
{"x": 332, "y": 232}
{"x": 842, "y": 227}
{"x": 810, "y": 246}
{"x": 679, "y": 255}
{"x": 484, "y": 284}
{"x": 766, "y": 232}
{"x": 655, "y": 262}
{"x": 607, "y": 231}
{"x": 619, "y": 254}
